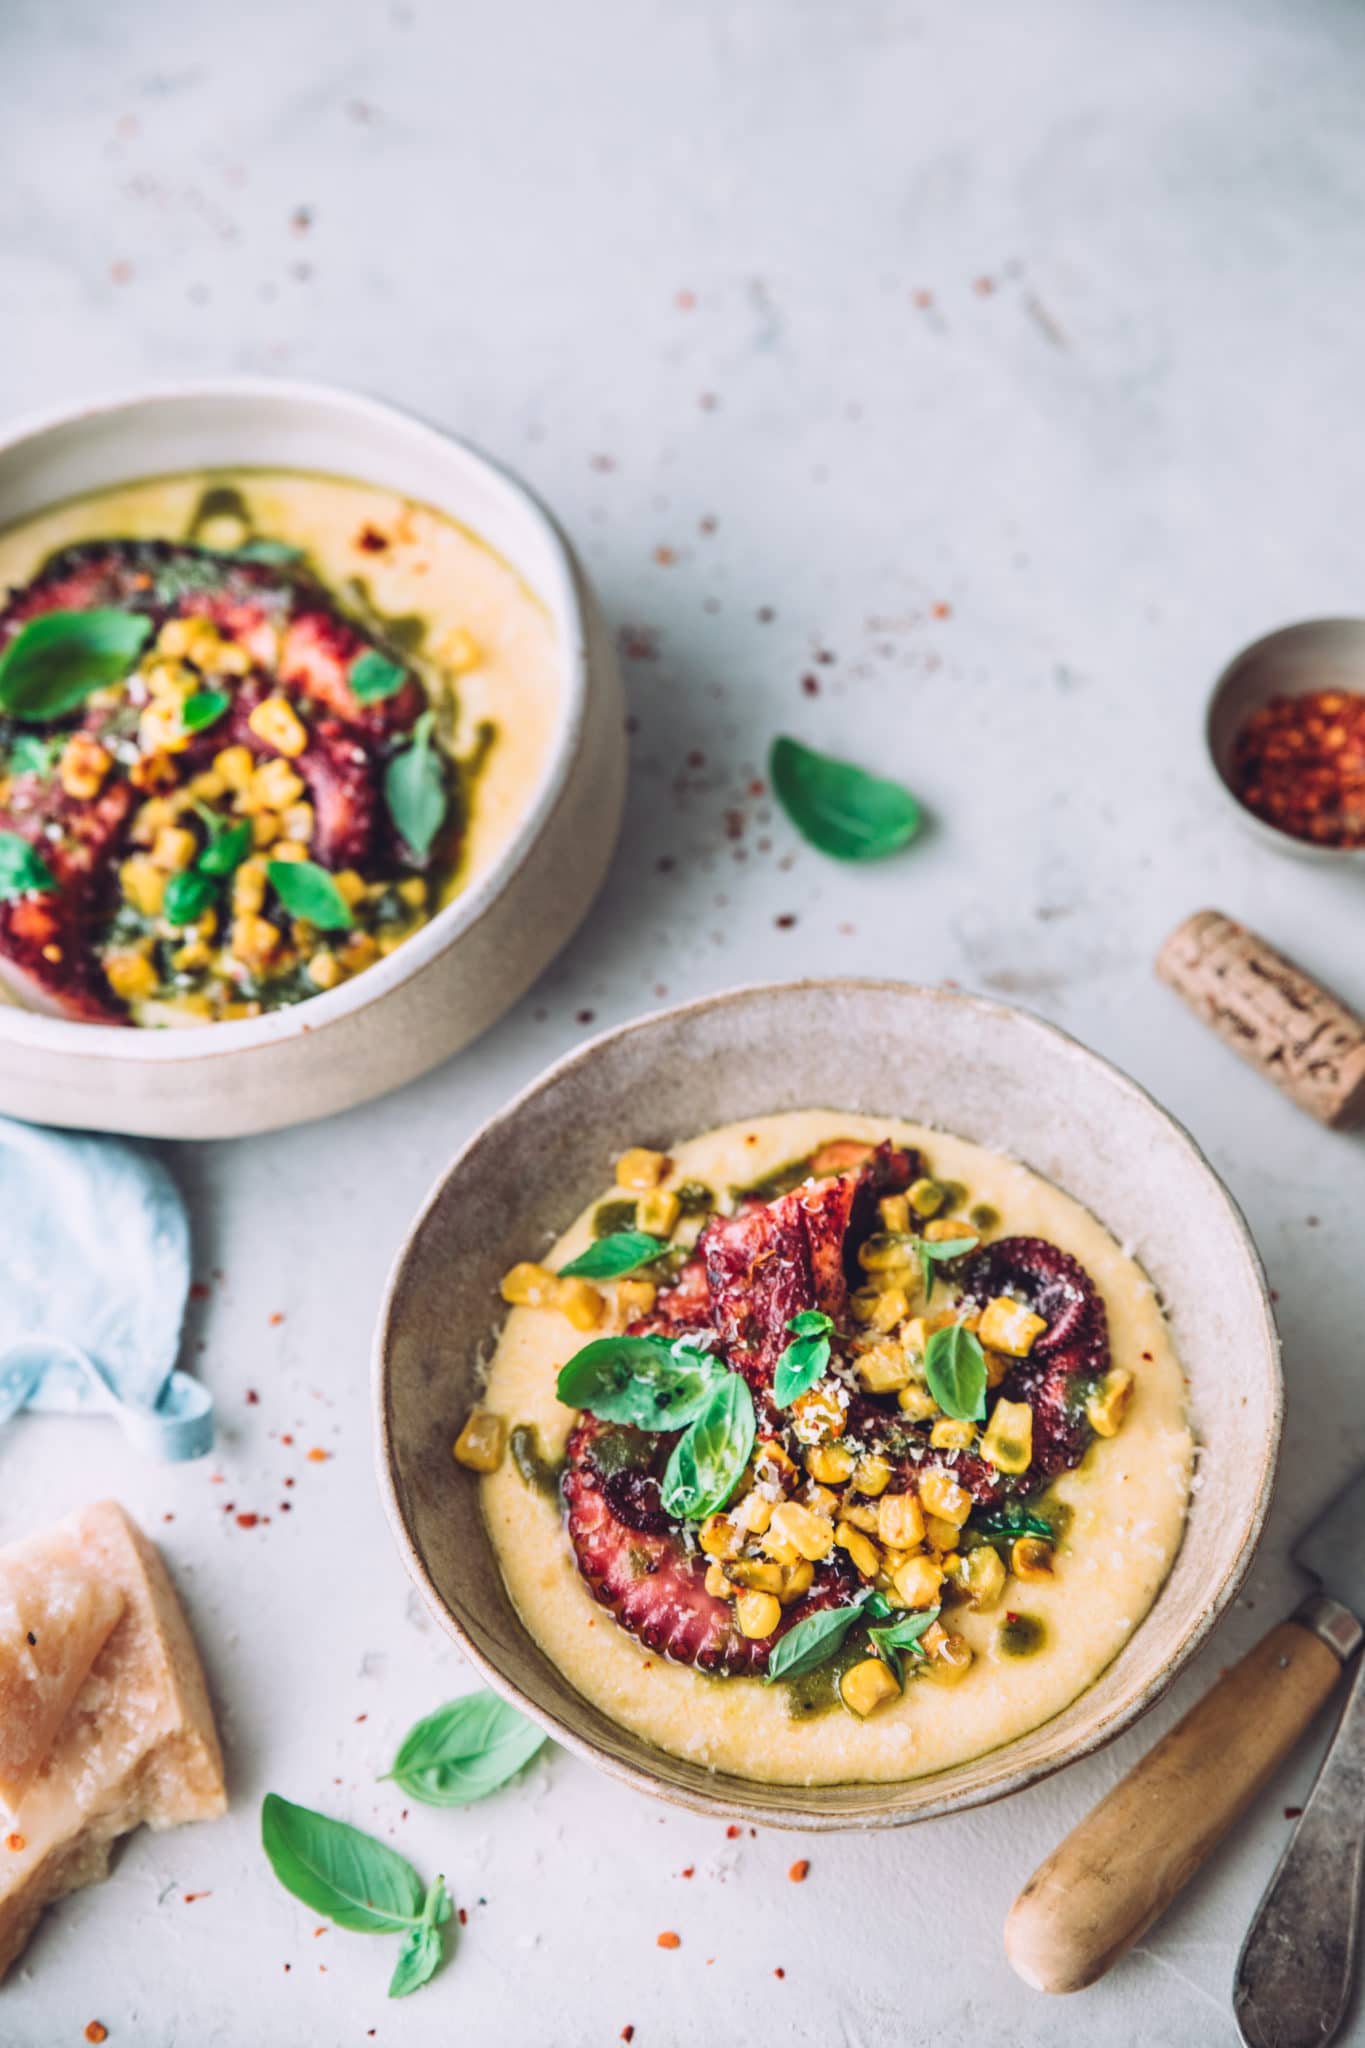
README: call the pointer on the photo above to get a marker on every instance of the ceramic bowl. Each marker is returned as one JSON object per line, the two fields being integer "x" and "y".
{"x": 991, "y": 1074}
{"x": 461, "y": 971}
{"x": 1319, "y": 654}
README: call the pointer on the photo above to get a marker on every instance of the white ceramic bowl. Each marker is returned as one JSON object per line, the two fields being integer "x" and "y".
{"x": 989, "y": 1073}
{"x": 461, "y": 971}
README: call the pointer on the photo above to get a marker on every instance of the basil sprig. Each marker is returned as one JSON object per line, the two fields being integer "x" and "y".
{"x": 204, "y": 708}
{"x": 415, "y": 788}
{"x": 813, "y": 1641}
{"x": 308, "y": 891}
{"x": 903, "y": 1634}
{"x": 55, "y": 661}
{"x": 190, "y": 891}
{"x": 187, "y": 896}
{"x": 623, "y": 1251}
{"x": 805, "y": 1359}
{"x": 648, "y": 1382}
{"x": 359, "y": 1883}
{"x": 228, "y": 845}
{"x": 838, "y": 807}
{"x": 32, "y": 753}
{"x": 709, "y": 1459}
{"x": 1011, "y": 1521}
{"x": 464, "y": 1751}
{"x": 938, "y": 1252}
{"x": 955, "y": 1367}
{"x": 373, "y": 676}
{"x": 22, "y": 867}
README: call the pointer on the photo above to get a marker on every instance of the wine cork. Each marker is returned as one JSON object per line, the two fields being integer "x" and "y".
{"x": 1275, "y": 1016}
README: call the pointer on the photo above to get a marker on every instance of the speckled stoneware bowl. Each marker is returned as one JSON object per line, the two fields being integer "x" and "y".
{"x": 1318, "y": 654}
{"x": 460, "y": 972}
{"x": 991, "y": 1074}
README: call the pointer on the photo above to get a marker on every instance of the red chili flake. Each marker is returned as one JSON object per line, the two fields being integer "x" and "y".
{"x": 691, "y": 1870}
{"x": 685, "y": 301}
{"x": 1010, "y": 1616}
{"x": 984, "y": 286}
{"x": 1292, "y": 1812}
{"x": 277, "y": 1318}
{"x": 121, "y": 272}
{"x": 696, "y": 759}
{"x": 286, "y": 1439}
{"x": 289, "y": 1482}
{"x": 785, "y": 922}
{"x": 584, "y": 1016}
{"x": 464, "y": 1917}
{"x": 15, "y": 1843}
{"x": 253, "y": 1399}
{"x": 922, "y": 299}
{"x": 734, "y": 824}
{"x": 199, "y": 1290}
{"x": 708, "y": 524}
{"x": 317, "y": 1456}
{"x": 247, "y": 1521}
{"x": 800, "y": 1870}
{"x": 372, "y": 540}
{"x": 665, "y": 557}
{"x": 168, "y": 1517}
{"x": 228, "y": 1506}
{"x": 669, "y": 1940}
{"x": 733, "y": 1831}
{"x": 779, "y": 1972}
{"x": 317, "y": 1931}
{"x": 361, "y": 1717}
{"x": 1146, "y": 1357}
{"x": 811, "y": 685}
{"x": 1299, "y": 763}
{"x": 191, "y": 1897}
{"x": 96, "y": 2031}
{"x": 286, "y": 1507}
{"x": 941, "y": 610}
{"x": 708, "y": 401}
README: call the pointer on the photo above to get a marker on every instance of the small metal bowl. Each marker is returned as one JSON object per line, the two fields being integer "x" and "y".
{"x": 1319, "y": 654}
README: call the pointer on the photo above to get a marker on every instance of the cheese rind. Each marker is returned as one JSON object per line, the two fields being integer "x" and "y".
{"x": 55, "y": 1618}
{"x": 137, "y": 1742}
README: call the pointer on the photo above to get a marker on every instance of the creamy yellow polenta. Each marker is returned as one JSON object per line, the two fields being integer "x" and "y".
{"x": 1126, "y": 1503}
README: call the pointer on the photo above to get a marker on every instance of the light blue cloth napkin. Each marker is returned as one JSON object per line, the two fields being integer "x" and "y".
{"x": 94, "y": 1273}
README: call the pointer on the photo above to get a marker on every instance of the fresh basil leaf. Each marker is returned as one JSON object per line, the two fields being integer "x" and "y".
{"x": 643, "y": 1381}
{"x": 349, "y": 1877}
{"x": 709, "y": 1459}
{"x": 415, "y": 788}
{"x": 373, "y": 676}
{"x": 902, "y": 1635}
{"x": 813, "y": 1641}
{"x": 1010, "y": 1522}
{"x": 419, "y": 1958}
{"x": 54, "y": 662}
{"x": 804, "y": 1361}
{"x": 22, "y": 867}
{"x": 308, "y": 891}
{"x": 955, "y": 1367}
{"x": 811, "y": 1322}
{"x": 622, "y": 1252}
{"x": 839, "y": 808}
{"x": 465, "y": 1750}
{"x": 268, "y": 551}
{"x": 188, "y": 895}
{"x": 203, "y": 708}
{"x": 228, "y": 846}
{"x": 31, "y": 754}
{"x": 935, "y": 1252}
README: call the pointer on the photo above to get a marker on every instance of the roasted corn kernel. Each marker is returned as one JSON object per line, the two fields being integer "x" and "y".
{"x": 981, "y": 1575}
{"x": 657, "y": 1211}
{"x": 324, "y": 969}
{"x": 84, "y": 765}
{"x": 948, "y": 1659}
{"x": 635, "y": 1298}
{"x": 1031, "y": 1558}
{"x": 254, "y": 939}
{"x": 900, "y": 1520}
{"x": 1108, "y": 1405}
{"x": 894, "y": 1211}
{"x": 757, "y": 1614}
{"x": 943, "y": 1535}
{"x": 1008, "y": 1440}
{"x": 1010, "y": 1326}
{"x": 175, "y": 847}
{"x": 919, "y": 1581}
{"x": 868, "y": 1686}
{"x": 831, "y": 1464}
{"x": 640, "y": 1169}
{"x": 949, "y": 1229}
{"x": 811, "y": 1535}
{"x": 143, "y": 884}
{"x": 942, "y": 1496}
{"x": 818, "y": 1415}
{"x": 480, "y": 1443}
{"x": 871, "y": 1475}
{"x": 950, "y": 1434}
{"x": 236, "y": 766}
{"x": 925, "y": 1197}
{"x": 130, "y": 975}
{"x": 883, "y": 1368}
{"x": 583, "y": 1304}
{"x": 276, "y": 724}
{"x": 757, "y": 1575}
{"x": 527, "y": 1285}
{"x": 797, "y": 1580}
{"x": 860, "y": 1548}
{"x": 890, "y": 1309}
{"x": 717, "y": 1585}
{"x": 917, "y": 1402}
{"x": 719, "y": 1537}
{"x": 753, "y": 1514}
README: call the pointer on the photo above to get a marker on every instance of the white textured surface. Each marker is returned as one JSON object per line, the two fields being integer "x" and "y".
{"x": 1129, "y": 456}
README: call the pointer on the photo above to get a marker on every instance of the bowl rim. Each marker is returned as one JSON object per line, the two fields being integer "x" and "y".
{"x": 723, "y": 1803}
{"x": 568, "y": 600}
{"x": 1274, "y": 836}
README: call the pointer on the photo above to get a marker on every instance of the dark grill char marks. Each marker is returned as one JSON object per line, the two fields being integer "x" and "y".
{"x": 655, "y": 1589}
{"x": 61, "y": 920}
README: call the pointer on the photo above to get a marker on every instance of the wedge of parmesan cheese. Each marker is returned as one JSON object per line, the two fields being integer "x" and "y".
{"x": 104, "y": 1715}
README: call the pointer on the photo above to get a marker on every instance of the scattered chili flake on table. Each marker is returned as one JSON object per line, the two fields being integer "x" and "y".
{"x": 670, "y": 1940}
{"x": 733, "y": 1832}
{"x": 276, "y": 1318}
{"x": 97, "y": 2031}
{"x": 318, "y": 1457}
{"x": 800, "y": 1870}
{"x": 627, "y": 2033}
{"x": 779, "y": 1972}
{"x": 1299, "y": 763}
{"x": 15, "y": 1844}
{"x": 1292, "y": 1812}
{"x": 246, "y": 1521}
